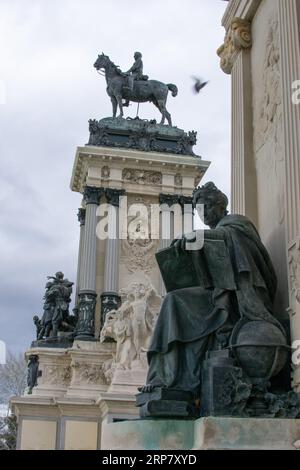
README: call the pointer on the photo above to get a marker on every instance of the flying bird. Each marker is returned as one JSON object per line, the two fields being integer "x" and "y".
{"x": 198, "y": 84}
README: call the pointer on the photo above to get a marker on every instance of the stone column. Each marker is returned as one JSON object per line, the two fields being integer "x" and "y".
{"x": 110, "y": 299}
{"x": 186, "y": 203}
{"x": 87, "y": 295}
{"x": 166, "y": 201}
{"x": 81, "y": 220}
{"x": 235, "y": 55}
{"x": 289, "y": 25}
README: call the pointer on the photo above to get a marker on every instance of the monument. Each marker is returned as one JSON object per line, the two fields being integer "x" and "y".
{"x": 220, "y": 379}
{"x": 85, "y": 366}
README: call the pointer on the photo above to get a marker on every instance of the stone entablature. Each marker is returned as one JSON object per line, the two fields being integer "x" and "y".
{"x": 105, "y": 167}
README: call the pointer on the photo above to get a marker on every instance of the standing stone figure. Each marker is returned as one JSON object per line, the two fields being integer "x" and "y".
{"x": 132, "y": 324}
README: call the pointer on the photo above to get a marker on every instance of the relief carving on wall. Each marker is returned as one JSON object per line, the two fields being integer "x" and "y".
{"x": 86, "y": 373}
{"x": 131, "y": 326}
{"x": 268, "y": 104}
{"x": 238, "y": 37}
{"x": 105, "y": 172}
{"x": 294, "y": 273}
{"x": 138, "y": 249}
{"x": 55, "y": 374}
{"x": 268, "y": 127}
{"x": 137, "y": 176}
{"x": 178, "y": 180}
{"x": 140, "y": 254}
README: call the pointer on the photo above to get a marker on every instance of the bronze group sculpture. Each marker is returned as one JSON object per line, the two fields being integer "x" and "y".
{"x": 134, "y": 86}
{"x": 56, "y": 318}
{"x": 217, "y": 344}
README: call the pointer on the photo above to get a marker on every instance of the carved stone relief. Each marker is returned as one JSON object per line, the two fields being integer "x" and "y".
{"x": 105, "y": 172}
{"x": 294, "y": 273}
{"x": 178, "y": 180}
{"x": 267, "y": 106}
{"x": 268, "y": 126}
{"x": 86, "y": 373}
{"x": 140, "y": 254}
{"x": 131, "y": 326}
{"x": 55, "y": 374}
{"x": 141, "y": 176}
{"x": 138, "y": 250}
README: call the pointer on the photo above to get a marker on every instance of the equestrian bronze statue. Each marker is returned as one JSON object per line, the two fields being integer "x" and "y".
{"x": 131, "y": 86}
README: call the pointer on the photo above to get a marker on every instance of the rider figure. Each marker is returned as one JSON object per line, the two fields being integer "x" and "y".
{"x": 136, "y": 71}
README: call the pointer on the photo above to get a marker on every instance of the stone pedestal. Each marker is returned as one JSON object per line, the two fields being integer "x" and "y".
{"x": 203, "y": 434}
{"x": 54, "y": 371}
{"x": 89, "y": 363}
{"x": 94, "y": 381}
{"x": 128, "y": 380}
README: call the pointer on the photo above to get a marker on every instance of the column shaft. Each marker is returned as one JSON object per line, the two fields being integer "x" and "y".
{"x": 87, "y": 294}
{"x": 110, "y": 299}
{"x": 166, "y": 201}
{"x": 88, "y": 274}
{"x": 111, "y": 269}
{"x": 243, "y": 174}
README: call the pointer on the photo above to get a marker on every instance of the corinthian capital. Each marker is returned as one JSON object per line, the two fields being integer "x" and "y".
{"x": 169, "y": 199}
{"x": 238, "y": 37}
{"x": 113, "y": 196}
{"x": 92, "y": 195}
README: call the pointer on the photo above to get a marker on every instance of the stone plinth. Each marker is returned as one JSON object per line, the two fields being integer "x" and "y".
{"x": 141, "y": 134}
{"x": 90, "y": 361}
{"x": 54, "y": 371}
{"x": 203, "y": 434}
{"x": 148, "y": 435}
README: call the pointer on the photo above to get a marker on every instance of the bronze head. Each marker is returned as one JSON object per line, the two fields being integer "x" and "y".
{"x": 214, "y": 201}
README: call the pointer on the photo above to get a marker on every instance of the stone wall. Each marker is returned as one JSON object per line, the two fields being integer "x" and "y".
{"x": 261, "y": 51}
{"x": 268, "y": 141}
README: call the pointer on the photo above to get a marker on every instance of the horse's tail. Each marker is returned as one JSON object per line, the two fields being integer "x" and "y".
{"x": 173, "y": 89}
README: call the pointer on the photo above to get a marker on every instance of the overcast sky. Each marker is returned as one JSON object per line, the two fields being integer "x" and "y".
{"x": 47, "y": 51}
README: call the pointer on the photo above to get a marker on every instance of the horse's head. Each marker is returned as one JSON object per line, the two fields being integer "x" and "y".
{"x": 101, "y": 61}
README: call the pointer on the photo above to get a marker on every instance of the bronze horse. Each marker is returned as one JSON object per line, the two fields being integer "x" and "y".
{"x": 143, "y": 90}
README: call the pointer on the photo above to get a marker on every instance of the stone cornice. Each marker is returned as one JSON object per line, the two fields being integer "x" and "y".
{"x": 244, "y": 9}
{"x": 237, "y": 23}
{"x": 99, "y": 156}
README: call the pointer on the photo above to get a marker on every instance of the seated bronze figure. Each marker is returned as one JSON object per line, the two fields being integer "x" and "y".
{"x": 216, "y": 343}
